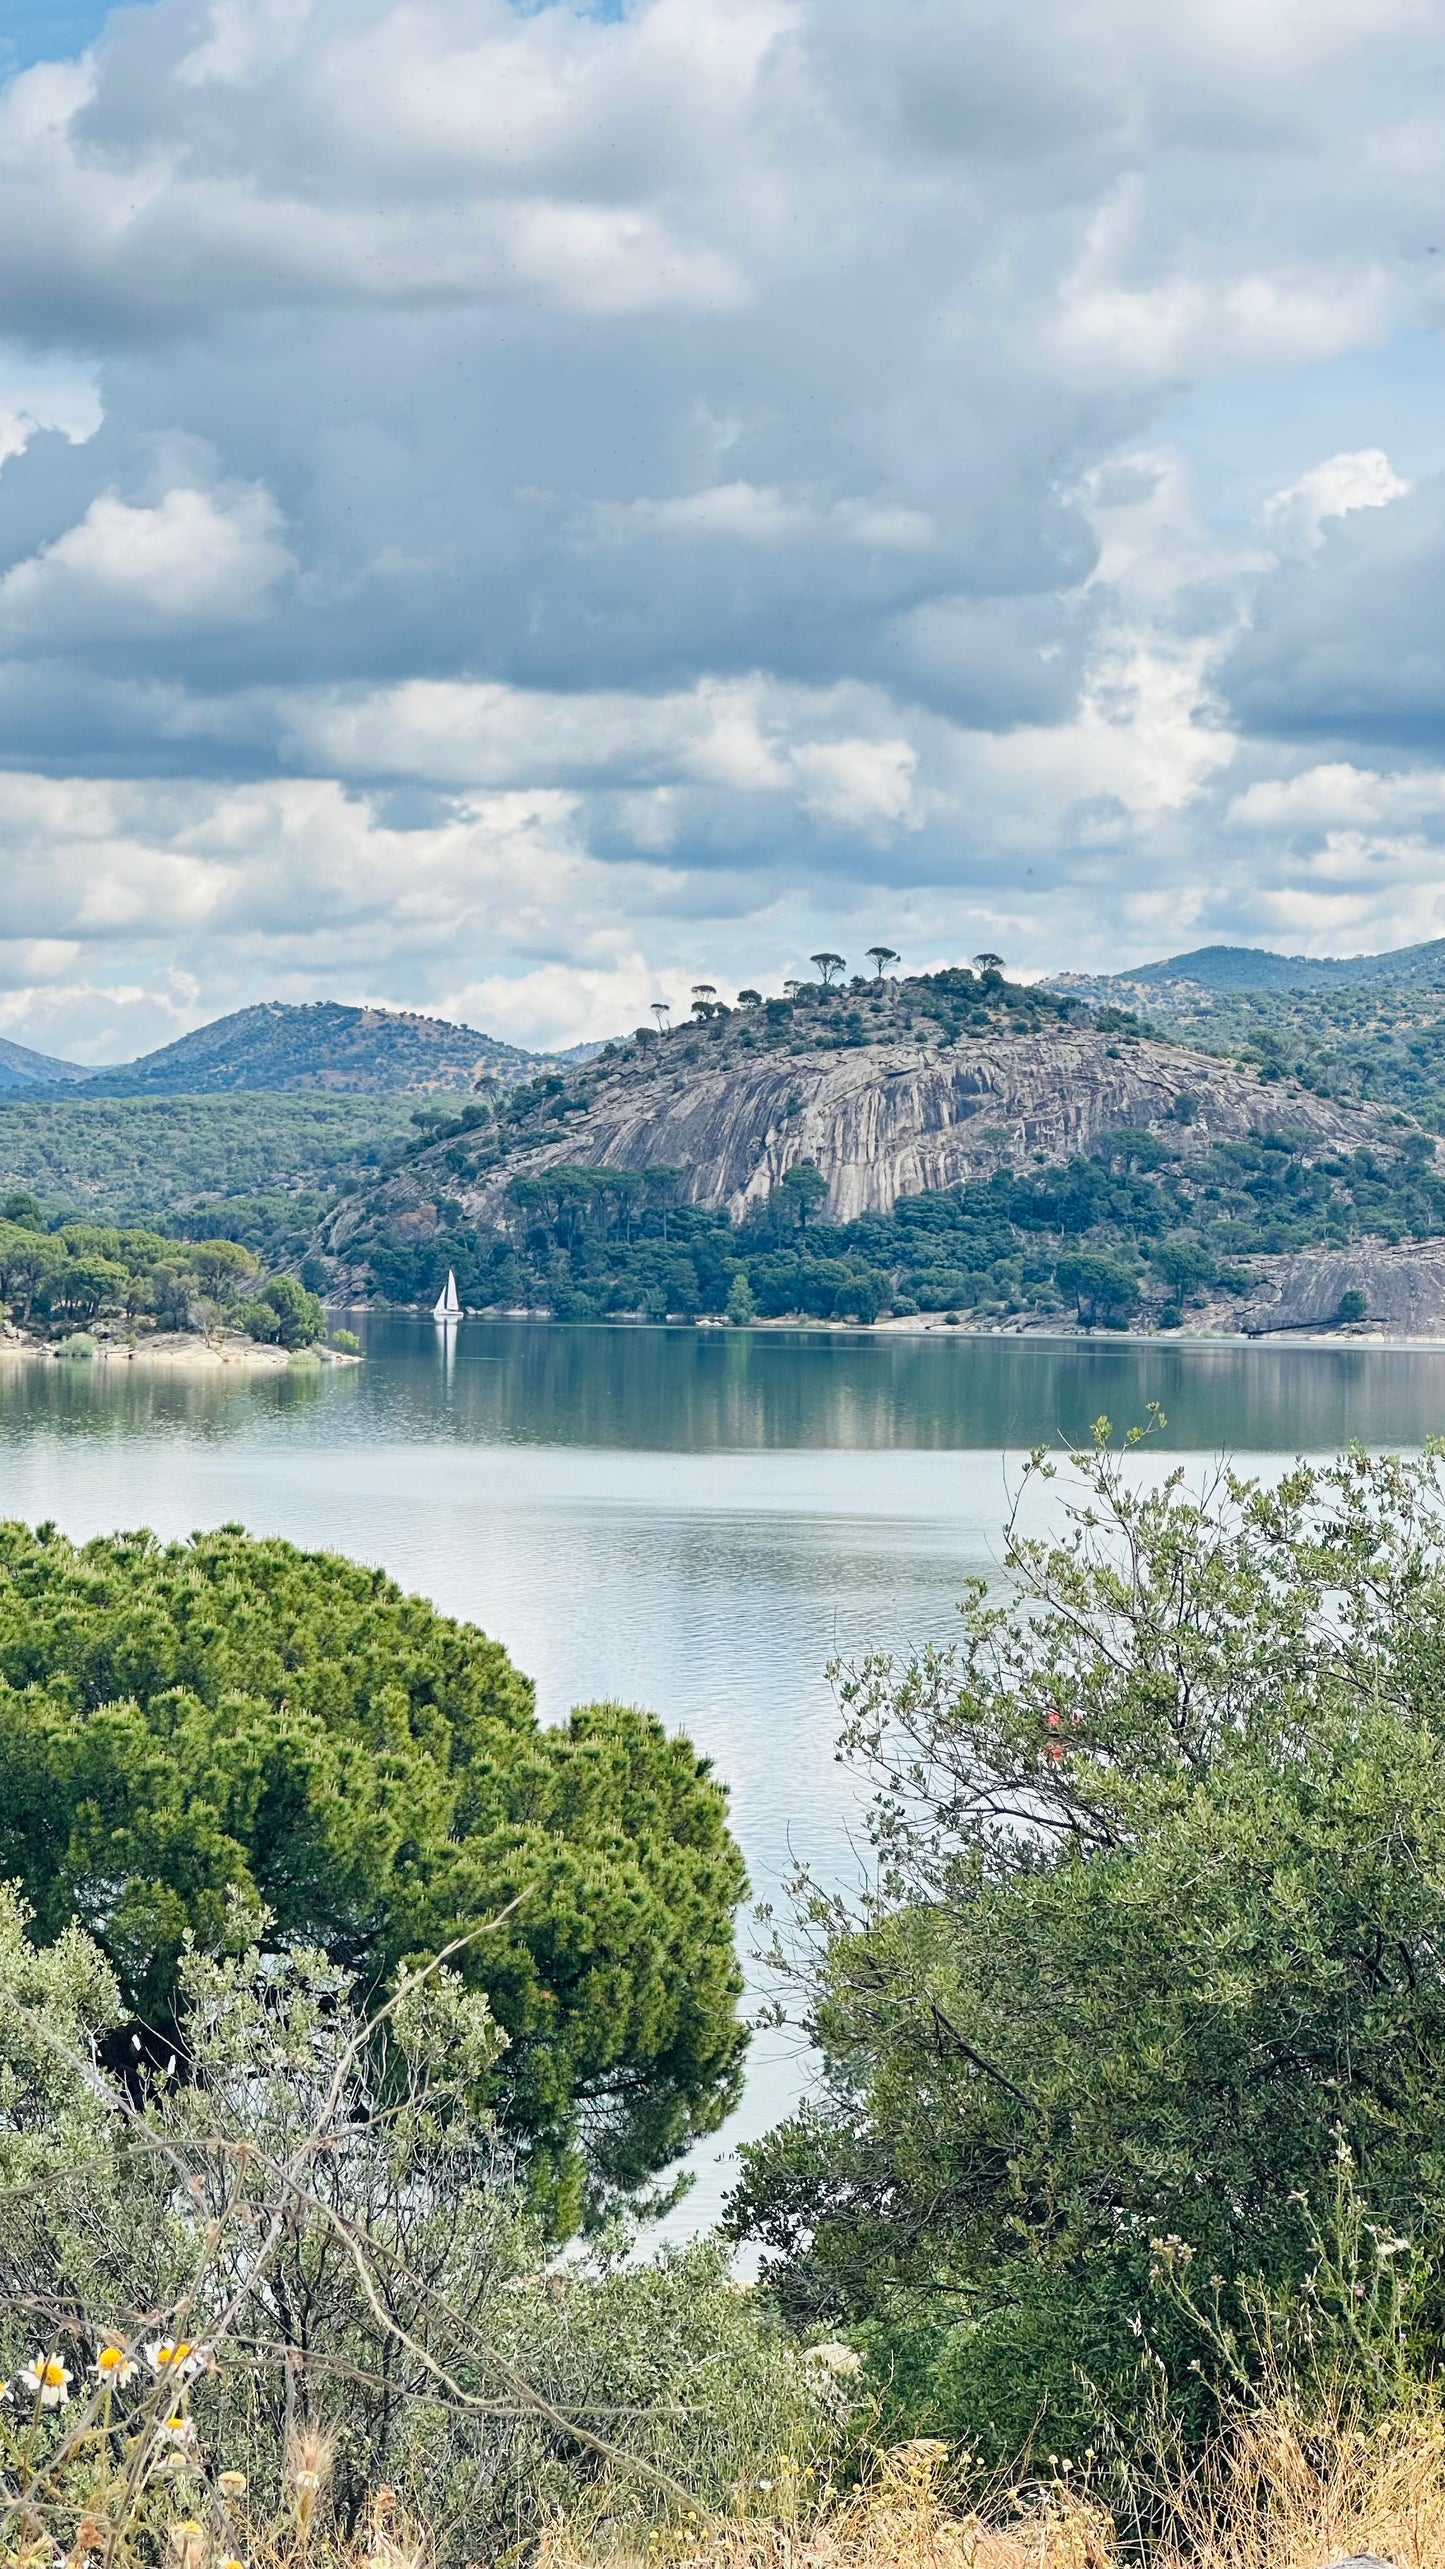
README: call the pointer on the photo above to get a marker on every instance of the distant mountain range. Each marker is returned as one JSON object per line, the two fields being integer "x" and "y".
{"x": 1222, "y": 970}
{"x": 21, "y": 1068}
{"x": 323, "y": 1045}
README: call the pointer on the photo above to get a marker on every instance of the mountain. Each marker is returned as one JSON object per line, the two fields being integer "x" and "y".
{"x": 20, "y": 1068}
{"x": 1223, "y": 970}
{"x": 950, "y": 1143}
{"x": 321, "y": 1045}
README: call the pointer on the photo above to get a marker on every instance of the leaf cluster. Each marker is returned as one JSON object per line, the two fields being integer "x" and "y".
{"x": 186, "y": 1726}
{"x": 1157, "y": 1927}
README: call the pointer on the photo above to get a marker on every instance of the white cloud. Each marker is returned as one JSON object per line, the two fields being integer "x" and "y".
{"x": 194, "y": 559}
{"x": 741, "y": 512}
{"x": 730, "y": 469}
{"x": 859, "y": 782}
{"x": 244, "y": 40}
{"x": 1297, "y": 516}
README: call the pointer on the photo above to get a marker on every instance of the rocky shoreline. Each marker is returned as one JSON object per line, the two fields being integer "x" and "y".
{"x": 176, "y": 1350}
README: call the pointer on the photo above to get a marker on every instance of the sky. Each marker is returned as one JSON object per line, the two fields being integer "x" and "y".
{"x": 513, "y": 510}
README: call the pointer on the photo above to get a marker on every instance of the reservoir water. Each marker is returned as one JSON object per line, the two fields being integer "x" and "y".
{"x": 695, "y": 1520}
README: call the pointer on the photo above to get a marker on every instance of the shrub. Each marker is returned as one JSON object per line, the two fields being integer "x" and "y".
{"x": 311, "y": 2255}
{"x": 1157, "y": 1933}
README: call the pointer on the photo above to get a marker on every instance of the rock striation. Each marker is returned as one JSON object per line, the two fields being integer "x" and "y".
{"x": 879, "y": 1120}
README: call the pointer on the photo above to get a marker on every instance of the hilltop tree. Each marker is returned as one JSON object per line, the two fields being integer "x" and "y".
{"x": 190, "y": 1730}
{"x": 828, "y": 965}
{"x": 880, "y": 957}
{"x": 662, "y": 1010}
{"x": 989, "y": 962}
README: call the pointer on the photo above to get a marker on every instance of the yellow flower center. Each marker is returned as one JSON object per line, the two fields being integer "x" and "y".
{"x": 51, "y": 2373}
{"x": 110, "y": 2359}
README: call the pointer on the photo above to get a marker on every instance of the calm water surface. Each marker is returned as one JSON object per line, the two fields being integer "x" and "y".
{"x": 696, "y": 1520}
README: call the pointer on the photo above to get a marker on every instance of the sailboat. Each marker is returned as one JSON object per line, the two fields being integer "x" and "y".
{"x": 448, "y": 1305}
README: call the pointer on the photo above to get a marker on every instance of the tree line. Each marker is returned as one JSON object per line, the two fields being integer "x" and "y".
{"x": 1138, "y": 1227}
{"x": 61, "y": 1281}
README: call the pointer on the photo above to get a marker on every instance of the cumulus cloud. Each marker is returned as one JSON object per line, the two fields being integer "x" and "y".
{"x": 195, "y": 559}
{"x": 1297, "y": 516}
{"x": 504, "y": 506}
{"x": 1346, "y": 643}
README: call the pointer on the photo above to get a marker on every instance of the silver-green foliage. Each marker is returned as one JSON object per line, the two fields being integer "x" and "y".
{"x": 321, "y": 2204}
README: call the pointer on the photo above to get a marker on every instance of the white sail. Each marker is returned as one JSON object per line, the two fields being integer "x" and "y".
{"x": 447, "y": 1305}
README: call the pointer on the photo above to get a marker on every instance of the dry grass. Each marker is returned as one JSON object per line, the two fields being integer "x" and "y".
{"x": 1287, "y": 2491}
{"x": 1278, "y": 2491}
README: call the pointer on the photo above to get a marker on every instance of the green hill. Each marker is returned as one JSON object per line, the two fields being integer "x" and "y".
{"x": 21, "y": 1068}
{"x": 1225, "y": 970}
{"x": 321, "y": 1045}
{"x": 262, "y": 1170}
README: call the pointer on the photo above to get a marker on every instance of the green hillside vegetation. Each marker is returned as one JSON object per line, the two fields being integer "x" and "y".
{"x": 63, "y": 1281}
{"x": 1230, "y": 969}
{"x": 1136, "y": 1227}
{"x": 1382, "y": 1042}
{"x": 322, "y": 1045}
{"x": 262, "y": 1170}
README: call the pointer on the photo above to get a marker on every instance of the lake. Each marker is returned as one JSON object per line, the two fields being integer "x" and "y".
{"x": 691, "y": 1519}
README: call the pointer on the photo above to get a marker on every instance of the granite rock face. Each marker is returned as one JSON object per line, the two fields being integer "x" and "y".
{"x": 885, "y": 1120}
{"x": 1403, "y": 1286}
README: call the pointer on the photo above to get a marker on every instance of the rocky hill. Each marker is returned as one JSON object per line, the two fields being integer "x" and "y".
{"x": 953, "y": 1144}
{"x": 886, "y": 1091}
{"x": 319, "y": 1046}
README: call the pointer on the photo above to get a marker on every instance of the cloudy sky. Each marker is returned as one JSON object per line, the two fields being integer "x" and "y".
{"x": 513, "y": 509}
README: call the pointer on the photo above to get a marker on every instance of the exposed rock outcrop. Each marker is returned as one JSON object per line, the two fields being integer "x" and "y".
{"x": 1403, "y": 1289}
{"x": 879, "y": 1121}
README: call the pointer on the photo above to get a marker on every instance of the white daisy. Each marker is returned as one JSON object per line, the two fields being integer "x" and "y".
{"x": 113, "y": 2368}
{"x": 47, "y": 2380}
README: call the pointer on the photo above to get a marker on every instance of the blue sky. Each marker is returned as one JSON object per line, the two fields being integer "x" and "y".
{"x": 30, "y": 34}
{"x": 516, "y": 510}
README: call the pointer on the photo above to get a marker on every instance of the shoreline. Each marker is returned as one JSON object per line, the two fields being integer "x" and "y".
{"x": 927, "y": 1325}
{"x": 178, "y": 1351}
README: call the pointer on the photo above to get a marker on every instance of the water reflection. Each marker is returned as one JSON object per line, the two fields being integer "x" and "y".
{"x": 718, "y": 1391}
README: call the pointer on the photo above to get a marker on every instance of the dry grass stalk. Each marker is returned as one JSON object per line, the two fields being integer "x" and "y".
{"x": 1280, "y": 2490}
{"x": 1288, "y": 2490}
